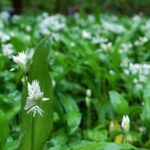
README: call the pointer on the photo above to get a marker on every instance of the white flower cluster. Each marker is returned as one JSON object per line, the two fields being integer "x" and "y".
{"x": 141, "y": 41}
{"x": 35, "y": 95}
{"x": 106, "y": 46}
{"x": 125, "y": 48}
{"x": 7, "y": 49}
{"x": 21, "y": 60}
{"x": 4, "y": 15}
{"x": 139, "y": 71}
{"x": 4, "y": 37}
{"x": 113, "y": 27}
{"x": 125, "y": 123}
{"x": 48, "y": 24}
{"x": 86, "y": 34}
{"x": 142, "y": 69}
{"x": 88, "y": 97}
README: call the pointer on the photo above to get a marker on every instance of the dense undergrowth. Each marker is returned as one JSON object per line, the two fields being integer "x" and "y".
{"x": 99, "y": 68}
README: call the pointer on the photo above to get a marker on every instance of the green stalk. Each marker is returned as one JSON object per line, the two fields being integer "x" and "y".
{"x": 89, "y": 117}
{"x": 32, "y": 134}
{"x": 88, "y": 105}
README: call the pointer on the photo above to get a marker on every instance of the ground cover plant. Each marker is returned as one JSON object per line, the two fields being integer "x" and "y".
{"x": 74, "y": 83}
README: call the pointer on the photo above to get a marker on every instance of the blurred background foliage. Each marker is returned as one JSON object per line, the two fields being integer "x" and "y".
{"x": 106, "y": 54}
{"x": 126, "y": 7}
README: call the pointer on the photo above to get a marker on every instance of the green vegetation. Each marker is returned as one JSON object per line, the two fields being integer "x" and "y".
{"x": 126, "y": 7}
{"x": 91, "y": 92}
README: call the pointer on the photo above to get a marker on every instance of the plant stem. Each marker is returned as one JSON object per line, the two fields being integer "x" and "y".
{"x": 89, "y": 116}
{"x": 32, "y": 134}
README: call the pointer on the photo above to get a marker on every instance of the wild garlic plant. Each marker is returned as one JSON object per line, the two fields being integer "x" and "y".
{"x": 36, "y": 99}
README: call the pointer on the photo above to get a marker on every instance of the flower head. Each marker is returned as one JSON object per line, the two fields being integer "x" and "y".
{"x": 125, "y": 124}
{"x": 34, "y": 91}
{"x": 21, "y": 60}
{"x": 88, "y": 93}
{"x": 35, "y": 95}
{"x": 36, "y": 110}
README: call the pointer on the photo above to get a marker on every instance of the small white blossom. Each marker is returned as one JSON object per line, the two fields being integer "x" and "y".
{"x": 72, "y": 44}
{"x": 45, "y": 99}
{"x": 86, "y": 35}
{"x": 35, "y": 95}
{"x": 125, "y": 124}
{"x": 34, "y": 91}
{"x": 7, "y": 49}
{"x": 12, "y": 69}
{"x": 53, "y": 83}
{"x": 4, "y": 37}
{"x": 113, "y": 27}
{"x": 88, "y": 93}
{"x": 106, "y": 46}
{"x": 28, "y": 28}
{"x": 36, "y": 110}
{"x": 21, "y": 60}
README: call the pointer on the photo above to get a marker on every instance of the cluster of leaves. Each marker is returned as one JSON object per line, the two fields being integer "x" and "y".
{"x": 88, "y": 53}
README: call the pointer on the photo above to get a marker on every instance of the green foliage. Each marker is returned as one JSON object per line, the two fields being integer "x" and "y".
{"x": 105, "y": 146}
{"x": 119, "y": 103}
{"x": 4, "y": 130}
{"x": 145, "y": 116}
{"x": 65, "y": 6}
{"x": 97, "y": 71}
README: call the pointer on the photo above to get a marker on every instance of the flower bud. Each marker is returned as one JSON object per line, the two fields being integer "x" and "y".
{"x": 125, "y": 124}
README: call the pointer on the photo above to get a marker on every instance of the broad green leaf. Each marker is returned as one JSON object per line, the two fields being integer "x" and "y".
{"x": 11, "y": 144}
{"x": 145, "y": 116}
{"x": 73, "y": 115}
{"x": 4, "y": 129}
{"x": 35, "y": 131}
{"x": 59, "y": 138}
{"x": 96, "y": 135}
{"x": 86, "y": 145}
{"x": 119, "y": 104}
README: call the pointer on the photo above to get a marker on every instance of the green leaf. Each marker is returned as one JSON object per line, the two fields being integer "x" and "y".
{"x": 96, "y": 135}
{"x": 4, "y": 129}
{"x": 145, "y": 116}
{"x": 73, "y": 115}
{"x": 36, "y": 131}
{"x": 86, "y": 145}
{"x": 119, "y": 104}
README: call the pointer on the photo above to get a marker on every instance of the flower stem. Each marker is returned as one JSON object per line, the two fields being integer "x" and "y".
{"x": 32, "y": 134}
{"x": 89, "y": 116}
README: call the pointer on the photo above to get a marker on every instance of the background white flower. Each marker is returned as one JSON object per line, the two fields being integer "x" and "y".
{"x": 125, "y": 124}
{"x": 7, "y": 49}
{"x": 21, "y": 60}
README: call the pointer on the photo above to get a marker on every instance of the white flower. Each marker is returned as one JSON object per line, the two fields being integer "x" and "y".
{"x": 88, "y": 93}
{"x": 34, "y": 91}
{"x": 7, "y": 49}
{"x": 21, "y": 60}
{"x": 86, "y": 35}
{"x": 35, "y": 95}
{"x": 36, "y": 110}
{"x": 4, "y": 37}
{"x": 125, "y": 124}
